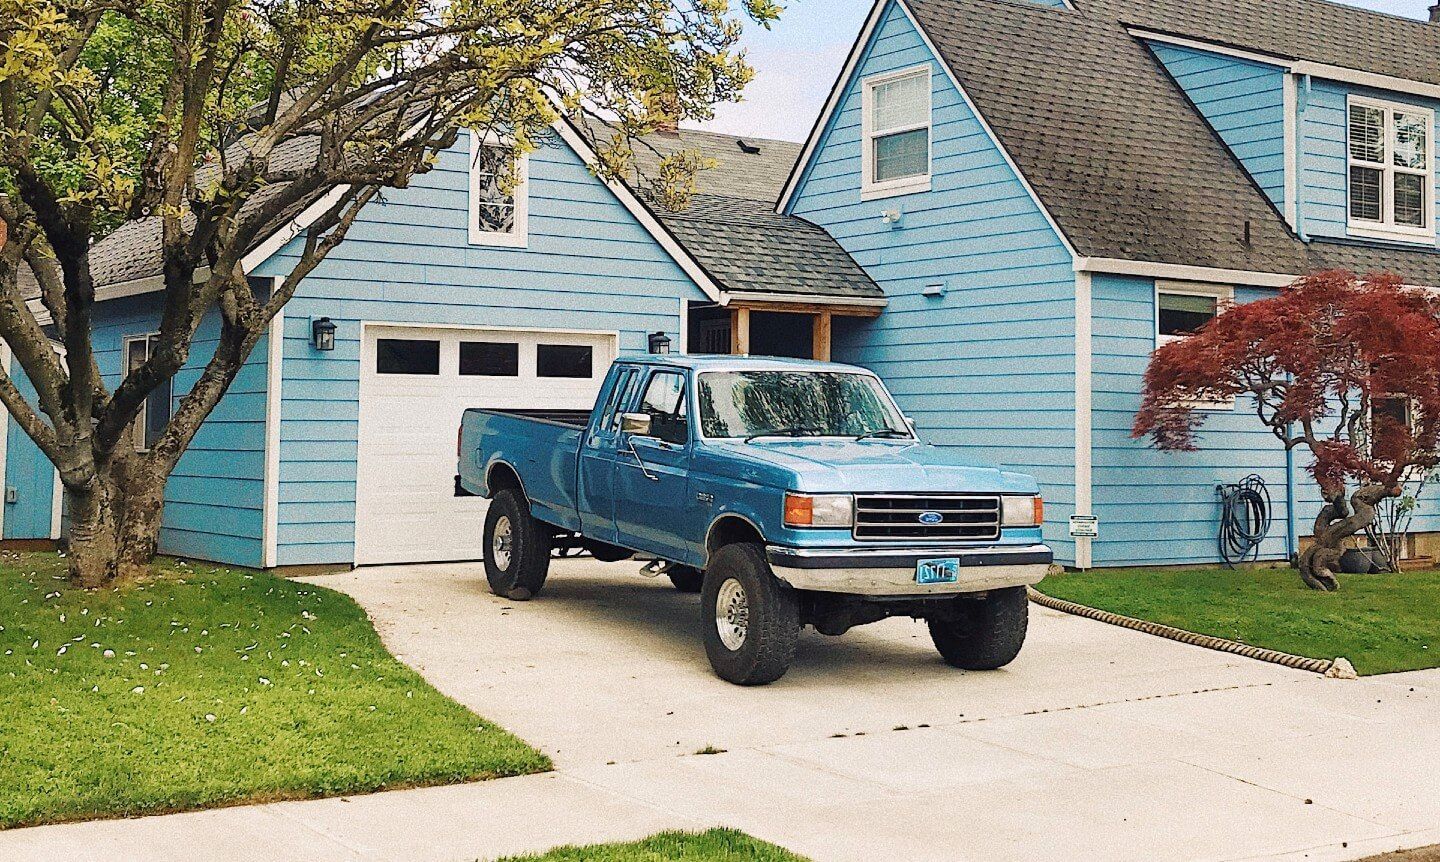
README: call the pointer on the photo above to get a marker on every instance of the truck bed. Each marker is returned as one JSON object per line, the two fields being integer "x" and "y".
{"x": 568, "y": 418}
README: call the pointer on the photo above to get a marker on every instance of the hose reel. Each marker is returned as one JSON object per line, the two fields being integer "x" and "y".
{"x": 1244, "y": 519}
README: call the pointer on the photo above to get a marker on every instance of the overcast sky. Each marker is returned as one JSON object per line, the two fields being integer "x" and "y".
{"x": 797, "y": 61}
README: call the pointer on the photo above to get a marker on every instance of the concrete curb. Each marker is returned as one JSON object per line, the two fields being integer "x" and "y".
{"x": 1338, "y": 668}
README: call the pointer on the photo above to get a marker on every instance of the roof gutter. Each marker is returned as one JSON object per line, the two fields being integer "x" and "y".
{"x": 1182, "y": 272}
{"x": 730, "y": 296}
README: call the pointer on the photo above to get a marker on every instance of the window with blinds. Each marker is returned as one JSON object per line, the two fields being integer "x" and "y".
{"x": 897, "y": 133}
{"x": 1391, "y": 170}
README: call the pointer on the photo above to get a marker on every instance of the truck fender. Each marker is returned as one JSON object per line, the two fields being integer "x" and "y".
{"x": 497, "y": 466}
{"x": 725, "y": 526}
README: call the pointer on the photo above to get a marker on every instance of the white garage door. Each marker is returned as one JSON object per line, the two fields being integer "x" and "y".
{"x": 415, "y": 383}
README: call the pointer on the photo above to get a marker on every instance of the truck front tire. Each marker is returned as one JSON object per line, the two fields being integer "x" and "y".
{"x": 750, "y": 620}
{"x": 984, "y": 633}
{"x": 517, "y": 548}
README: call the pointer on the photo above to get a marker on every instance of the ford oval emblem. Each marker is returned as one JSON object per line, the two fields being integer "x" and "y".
{"x": 931, "y": 517}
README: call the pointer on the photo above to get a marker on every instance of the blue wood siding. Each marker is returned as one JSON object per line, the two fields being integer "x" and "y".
{"x": 1243, "y": 102}
{"x": 214, "y": 500}
{"x": 27, "y": 472}
{"x": 589, "y": 265}
{"x": 1324, "y": 168}
{"x": 1161, "y": 507}
{"x": 1058, "y": 4}
{"x": 989, "y": 367}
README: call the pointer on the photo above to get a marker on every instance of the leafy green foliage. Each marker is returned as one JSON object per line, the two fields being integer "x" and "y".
{"x": 208, "y": 685}
{"x": 1381, "y": 623}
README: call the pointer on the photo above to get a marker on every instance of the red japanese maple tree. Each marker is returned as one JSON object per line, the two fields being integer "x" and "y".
{"x": 1345, "y": 366}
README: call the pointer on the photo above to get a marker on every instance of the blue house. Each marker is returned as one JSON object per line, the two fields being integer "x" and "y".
{"x": 446, "y": 295}
{"x": 1046, "y": 191}
{"x": 1003, "y": 209}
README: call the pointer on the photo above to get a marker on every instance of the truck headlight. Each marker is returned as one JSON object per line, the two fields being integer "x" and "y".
{"x": 1022, "y": 511}
{"x": 819, "y": 510}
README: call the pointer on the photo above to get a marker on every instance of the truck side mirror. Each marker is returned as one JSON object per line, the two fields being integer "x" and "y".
{"x": 637, "y": 424}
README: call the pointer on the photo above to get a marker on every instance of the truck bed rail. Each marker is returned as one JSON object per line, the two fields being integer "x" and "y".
{"x": 566, "y": 418}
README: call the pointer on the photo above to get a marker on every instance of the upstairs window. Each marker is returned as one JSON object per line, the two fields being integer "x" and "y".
{"x": 1392, "y": 172}
{"x": 497, "y": 216}
{"x": 896, "y": 120}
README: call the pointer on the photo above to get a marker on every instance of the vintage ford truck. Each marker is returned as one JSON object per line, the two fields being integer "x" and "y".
{"x": 786, "y": 492}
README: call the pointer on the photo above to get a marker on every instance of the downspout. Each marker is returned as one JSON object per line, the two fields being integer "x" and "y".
{"x": 1301, "y": 103}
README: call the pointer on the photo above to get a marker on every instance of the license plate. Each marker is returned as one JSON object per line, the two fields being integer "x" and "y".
{"x": 942, "y": 571}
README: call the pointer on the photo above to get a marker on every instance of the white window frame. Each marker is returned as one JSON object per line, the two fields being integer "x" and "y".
{"x": 137, "y": 428}
{"x": 1223, "y": 294}
{"x": 1386, "y": 228}
{"x": 869, "y": 188}
{"x": 519, "y": 237}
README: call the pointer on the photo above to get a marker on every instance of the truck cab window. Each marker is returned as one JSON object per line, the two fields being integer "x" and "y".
{"x": 664, "y": 401}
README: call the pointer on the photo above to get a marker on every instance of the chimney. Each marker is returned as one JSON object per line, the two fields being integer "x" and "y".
{"x": 669, "y": 102}
{"x": 1435, "y": 14}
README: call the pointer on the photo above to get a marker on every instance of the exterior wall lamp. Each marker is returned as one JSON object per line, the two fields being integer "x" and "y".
{"x": 322, "y": 333}
{"x": 659, "y": 343}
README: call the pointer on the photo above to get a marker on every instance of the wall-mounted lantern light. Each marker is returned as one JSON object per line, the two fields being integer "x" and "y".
{"x": 322, "y": 333}
{"x": 659, "y": 343}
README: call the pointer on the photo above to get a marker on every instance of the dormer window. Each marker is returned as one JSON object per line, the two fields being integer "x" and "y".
{"x": 498, "y": 215}
{"x": 1392, "y": 171}
{"x": 896, "y": 121}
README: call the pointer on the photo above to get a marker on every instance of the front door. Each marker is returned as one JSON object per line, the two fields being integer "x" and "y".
{"x": 652, "y": 472}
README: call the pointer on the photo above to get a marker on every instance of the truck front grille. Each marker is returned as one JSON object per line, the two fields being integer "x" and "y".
{"x": 926, "y": 517}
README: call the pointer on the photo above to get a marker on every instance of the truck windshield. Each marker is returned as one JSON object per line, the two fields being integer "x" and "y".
{"x": 743, "y": 404}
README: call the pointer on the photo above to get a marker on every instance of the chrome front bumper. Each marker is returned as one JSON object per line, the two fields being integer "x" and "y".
{"x": 891, "y": 571}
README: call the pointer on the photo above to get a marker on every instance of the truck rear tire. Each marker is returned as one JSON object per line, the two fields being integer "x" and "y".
{"x": 750, "y": 620}
{"x": 985, "y": 633}
{"x": 517, "y": 548}
{"x": 686, "y": 579}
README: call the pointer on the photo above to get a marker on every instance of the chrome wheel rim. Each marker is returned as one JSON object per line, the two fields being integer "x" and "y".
{"x": 732, "y": 614}
{"x": 502, "y": 543}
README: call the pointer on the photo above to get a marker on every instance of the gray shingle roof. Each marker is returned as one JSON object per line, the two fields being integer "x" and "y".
{"x": 132, "y": 251}
{"x": 746, "y": 247}
{"x": 739, "y": 173}
{"x": 731, "y": 229}
{"x": 1122, "y": 161}
{"x": 1316, "y": 30}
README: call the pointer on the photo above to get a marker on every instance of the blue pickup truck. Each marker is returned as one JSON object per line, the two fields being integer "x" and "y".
{"x": 786, "y": 492}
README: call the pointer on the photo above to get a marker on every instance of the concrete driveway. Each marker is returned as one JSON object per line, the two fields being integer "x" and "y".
{"x": 1098, "y": 743}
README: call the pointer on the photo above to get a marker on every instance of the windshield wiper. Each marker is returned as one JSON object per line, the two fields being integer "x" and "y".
{"x": 881, "y": 432}
{"x": 785, "y": 432}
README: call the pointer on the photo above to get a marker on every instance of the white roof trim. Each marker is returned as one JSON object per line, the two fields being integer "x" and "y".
{"x": 280, "y": 238}
{"x": 1182, "y": 272}
{"x": 642, "y": 214}
{"x": 802, "y": 298}
{"x": 1343, "y": 74}
{"x": 843, "y": 84}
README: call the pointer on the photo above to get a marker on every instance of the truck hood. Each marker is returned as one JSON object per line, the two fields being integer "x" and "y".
{"x": 868, "y": 466}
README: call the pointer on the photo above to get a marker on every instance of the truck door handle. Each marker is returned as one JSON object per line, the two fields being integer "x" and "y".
{"x": 640, "y": 462}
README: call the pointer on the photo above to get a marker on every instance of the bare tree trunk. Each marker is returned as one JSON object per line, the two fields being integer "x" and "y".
{"x": 1338, "y": 521}
{"x": 94, "y": 535}
{"x": 115, "y": 522}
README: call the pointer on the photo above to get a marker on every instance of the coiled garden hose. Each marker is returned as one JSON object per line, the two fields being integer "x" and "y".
{"x": 1244, "y": 519}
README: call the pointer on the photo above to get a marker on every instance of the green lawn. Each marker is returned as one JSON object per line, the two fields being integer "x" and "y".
{"x": 716, "y": 845}
{"x": 1381, "y": 623}
{"x": 208, "y": 686}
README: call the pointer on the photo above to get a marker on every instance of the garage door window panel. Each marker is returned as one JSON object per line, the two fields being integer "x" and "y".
{"x": 414, "y": 356}
{"x": 572, "y": 361}
{"x": 489, "y": 359}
